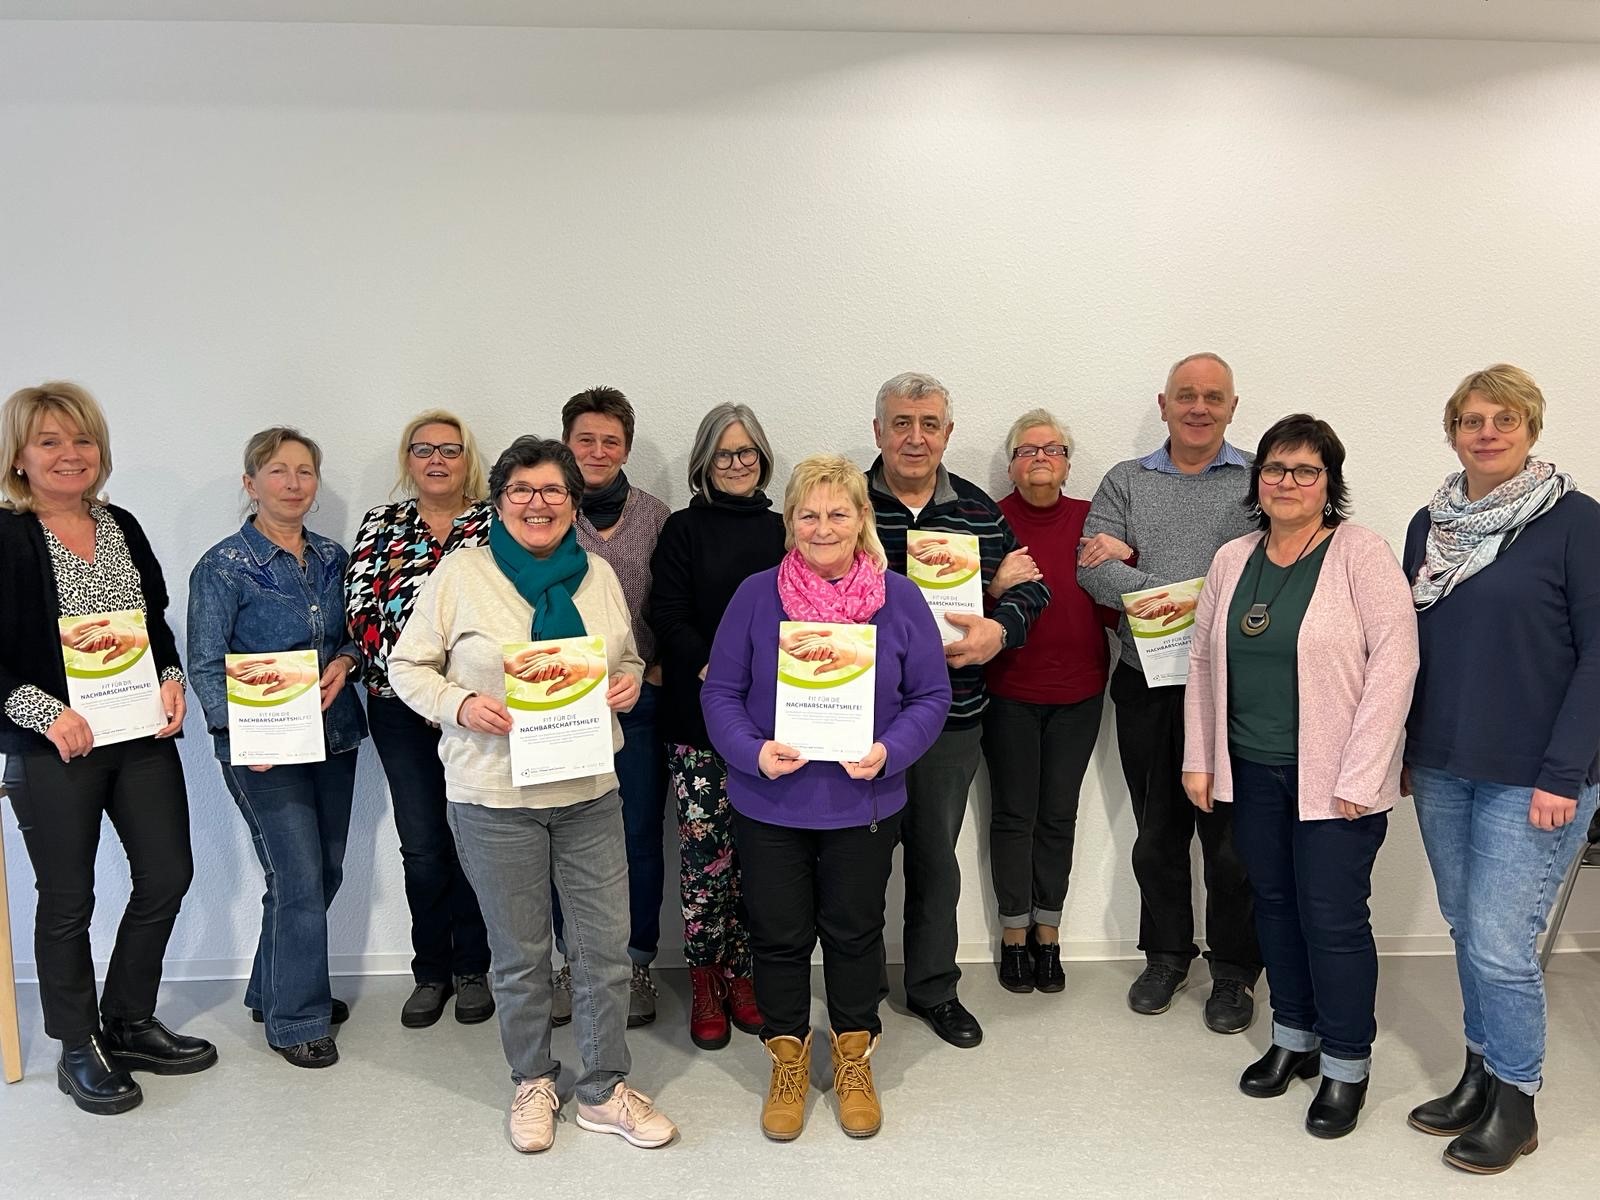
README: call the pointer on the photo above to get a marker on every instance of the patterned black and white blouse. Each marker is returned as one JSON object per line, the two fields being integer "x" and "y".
{"x": 108, "y": 584}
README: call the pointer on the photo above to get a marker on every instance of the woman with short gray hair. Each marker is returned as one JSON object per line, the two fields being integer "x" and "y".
{"x": 728, "y": 533}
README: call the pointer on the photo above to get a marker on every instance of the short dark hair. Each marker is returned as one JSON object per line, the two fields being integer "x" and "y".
{"x": 530, "y": 450}
{"x": 1303, "y": 430}
{"x": 607, "y": 402}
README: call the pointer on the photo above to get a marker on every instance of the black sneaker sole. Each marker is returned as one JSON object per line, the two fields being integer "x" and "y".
{"x": 1020, "y": 989}
{"x": 1156, "y": 1012}
{"x": 421, "y": 1020}
{"x": 100, "y": 1108}
{"x": 164, "y": 1066}
{"x": 473, "y": 1016}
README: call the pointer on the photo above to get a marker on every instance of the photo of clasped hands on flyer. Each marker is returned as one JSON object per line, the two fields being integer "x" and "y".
{"x": 271, "y": 676}
{"x": 554, "y": 668}
{"x": 831, "y": 650}
{"x": 934, "y": 551}
{"x": 1160, "y": 609}
{"x": 104, "y": 640}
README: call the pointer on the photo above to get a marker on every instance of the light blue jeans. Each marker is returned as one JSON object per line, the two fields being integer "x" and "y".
{"x": 1497, "y": 877}
{"x": 511, "y": 856}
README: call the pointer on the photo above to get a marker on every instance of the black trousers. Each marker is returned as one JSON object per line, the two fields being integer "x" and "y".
{"x": 139, "y": 786}
{"x": 447, "y": 933}
{"x": 802, "y": 884}
{"x": 1150, "y": 742}
{"x": 936, "y": 786}
{"x": 1037, "y": 755}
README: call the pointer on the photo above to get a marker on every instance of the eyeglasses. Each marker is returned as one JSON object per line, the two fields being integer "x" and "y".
{"x": 748, "y": 456}
{"x": 1305, "y": 476}
{"x": 521, "y": 493}
{"x": 427, "y": 449}
{"x": 1053, "y": 450}
{"x": 1505, "y": 421}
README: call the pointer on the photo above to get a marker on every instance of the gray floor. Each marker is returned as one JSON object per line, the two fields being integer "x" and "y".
{"x": 1068, "y": 1095}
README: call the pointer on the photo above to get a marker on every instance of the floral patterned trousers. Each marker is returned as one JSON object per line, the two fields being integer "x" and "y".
{"x": 714, "y": 928}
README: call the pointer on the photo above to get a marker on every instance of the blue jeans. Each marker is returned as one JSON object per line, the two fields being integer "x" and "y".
{"x": 1497, "y": 877}
{"x": 1311, "y": 881}
{"x": 447, "y": 932}
{"x": 512, "y": 856}
{"x": 299, "y": 818}
{"x": 641, "y": 767}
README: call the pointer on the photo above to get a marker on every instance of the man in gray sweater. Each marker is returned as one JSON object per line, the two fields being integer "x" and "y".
{"x": 1158, "y": 520}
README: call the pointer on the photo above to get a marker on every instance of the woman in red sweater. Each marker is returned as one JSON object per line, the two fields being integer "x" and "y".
{"x": 1044, "y": 709}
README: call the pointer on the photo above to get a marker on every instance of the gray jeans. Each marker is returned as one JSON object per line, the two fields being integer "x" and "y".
{"x": 510, "y": 856}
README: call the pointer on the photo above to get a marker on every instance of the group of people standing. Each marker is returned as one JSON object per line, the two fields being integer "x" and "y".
{"x": 1326, "y": 679}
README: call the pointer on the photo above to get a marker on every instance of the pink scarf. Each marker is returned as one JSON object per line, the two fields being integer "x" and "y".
{"x": 806, "y": 596}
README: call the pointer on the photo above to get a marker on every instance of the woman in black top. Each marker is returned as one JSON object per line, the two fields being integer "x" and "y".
{"x": 728, "y": 533}
{"x": 67, "y": 554}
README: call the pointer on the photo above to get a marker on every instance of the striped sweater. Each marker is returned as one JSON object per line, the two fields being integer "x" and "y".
{"x": 961, "y": 507}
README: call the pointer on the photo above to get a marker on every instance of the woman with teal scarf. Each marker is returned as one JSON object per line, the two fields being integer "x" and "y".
{"x": 533, "y": 582}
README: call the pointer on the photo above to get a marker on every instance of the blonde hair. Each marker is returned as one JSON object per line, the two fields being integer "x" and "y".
{"x": 842, "y": 475}
{"x": 19, "y": 421}
{"x": 258, "y": 451}
{"x": 1033, "y": 419}
{"x": 1502, "y": 384}
{"x": 476, "y": 485}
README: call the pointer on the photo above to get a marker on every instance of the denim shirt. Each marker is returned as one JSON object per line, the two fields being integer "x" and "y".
{"x": 248, "y": 595}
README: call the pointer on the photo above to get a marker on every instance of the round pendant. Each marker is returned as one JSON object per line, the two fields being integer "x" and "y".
{"x": 1254, "y": 623}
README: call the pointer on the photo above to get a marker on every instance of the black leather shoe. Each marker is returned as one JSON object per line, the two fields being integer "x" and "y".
{"x": 1333, "y": 1113}
{"x": 1231, "y": 1006}
{"x": 425, "y": 1005}
{"x": 149, "y": 1045}
{"x": 1504, "y": 1133}
{"x": 1016, "y": 968}
{"x": 1456, "y": 1111}
{"x": 95, "y": 1081}
{"x": 319, "y": 1052}
{"x": 1152, "y": 993}
{"x": 474, "y": 1000}
{"x": 1270, "y": 1074}
{"x": 952, "y": 1022}
{"x": 339, "y": 1015}
{"x": 1047, "y": 973}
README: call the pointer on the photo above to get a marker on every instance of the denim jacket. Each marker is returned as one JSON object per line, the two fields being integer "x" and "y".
{"x": 248, "y": 595}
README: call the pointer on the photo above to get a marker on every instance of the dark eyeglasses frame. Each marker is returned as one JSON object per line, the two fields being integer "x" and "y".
{"x": 444, "y": 449}
{"x": 1050, "y": 450}
{"x": 1272, "y": 474}
{"x": 748, "y": 456}
{"x": 553, "y": 494}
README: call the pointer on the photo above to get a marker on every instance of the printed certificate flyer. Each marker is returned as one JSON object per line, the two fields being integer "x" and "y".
{"x": 948, "y": 570}
{"x": 111, "y": 678}
{"x": 1162, "y": 621}
{"x": 826, "y": 680}
{"x": 556, "y": 695}
{"x": 274, "y": 708}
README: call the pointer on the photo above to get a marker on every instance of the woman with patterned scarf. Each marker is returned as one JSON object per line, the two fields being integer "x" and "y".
{"x": 815, "y": 839}
{"x": 533, "y": 581}
{"x": 1503, "y": 742}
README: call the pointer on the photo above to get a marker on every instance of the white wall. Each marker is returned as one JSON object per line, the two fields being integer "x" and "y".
{"x": 217, "y": 227}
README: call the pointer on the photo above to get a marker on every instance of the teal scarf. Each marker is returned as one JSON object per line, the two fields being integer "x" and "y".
{"x": 545, "y": 583}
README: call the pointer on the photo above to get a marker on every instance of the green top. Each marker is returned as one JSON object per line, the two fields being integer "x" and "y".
{"x": 1263, "y": 679}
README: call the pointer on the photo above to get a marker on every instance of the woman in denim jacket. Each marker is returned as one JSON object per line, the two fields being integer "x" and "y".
{"x": 276, "y": 586}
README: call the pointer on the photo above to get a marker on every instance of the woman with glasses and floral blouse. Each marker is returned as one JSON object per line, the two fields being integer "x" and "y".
{"x": 445, "y": 508}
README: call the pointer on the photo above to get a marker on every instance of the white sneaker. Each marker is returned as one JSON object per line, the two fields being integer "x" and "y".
{"x": 533, "y": 1115}
{"x": 630, "y": 1115}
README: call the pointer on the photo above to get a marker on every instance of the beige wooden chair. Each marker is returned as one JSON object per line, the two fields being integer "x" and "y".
{"x": 10, "y": 1032}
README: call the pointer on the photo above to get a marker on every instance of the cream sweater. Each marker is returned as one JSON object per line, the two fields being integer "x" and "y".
{"x": 451, "y": 647}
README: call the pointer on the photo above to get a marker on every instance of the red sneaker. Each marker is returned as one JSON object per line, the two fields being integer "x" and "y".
{"x": 742, "y": 1004}
{"x": 708, "y": 1021}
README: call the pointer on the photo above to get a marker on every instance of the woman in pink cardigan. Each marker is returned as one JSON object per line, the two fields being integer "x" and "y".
{"x": 1300, "y": 676}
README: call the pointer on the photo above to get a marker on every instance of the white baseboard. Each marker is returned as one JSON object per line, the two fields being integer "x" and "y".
{"x": 1390, "y": 945}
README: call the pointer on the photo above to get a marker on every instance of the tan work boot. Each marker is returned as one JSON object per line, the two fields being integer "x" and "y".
{"x": 533, "y": 1115}
{"x": 783, "y": 1116}
{"x": 860, "y": 1115}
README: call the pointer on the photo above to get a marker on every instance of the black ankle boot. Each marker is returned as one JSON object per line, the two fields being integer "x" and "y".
{"x": 1504, "y": 1133}
{"x": 1270, "y": 1074}
{"x": 93, "y": 1079}
{"x": 1456, "y": 1111}
{"x": 1047, "y": 973}
{"x": 1335, "y": 1110}
{"x": 1016, "y": 968}
{"x": 149, "y": 1045}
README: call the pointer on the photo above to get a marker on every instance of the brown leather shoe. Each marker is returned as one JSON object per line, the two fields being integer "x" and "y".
{"x": 860, "y": 1115}
{"x": 783, "y": 1116}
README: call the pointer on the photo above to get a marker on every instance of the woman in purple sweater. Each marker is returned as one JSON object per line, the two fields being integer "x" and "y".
{"x": 816, "y": 838}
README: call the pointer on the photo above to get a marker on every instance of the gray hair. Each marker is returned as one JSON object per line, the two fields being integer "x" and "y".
{"x": 712, "y": 426}
{"x": 1189, "y": 358}
{"x": 1032, "y": 419}
{"x": 913, "y": 385}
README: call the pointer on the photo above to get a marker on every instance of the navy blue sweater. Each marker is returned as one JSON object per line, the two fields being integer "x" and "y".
{"x": 1509, "y": 690}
